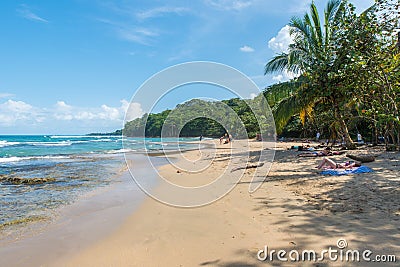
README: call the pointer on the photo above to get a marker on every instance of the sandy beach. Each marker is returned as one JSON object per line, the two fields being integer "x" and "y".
{"x": 295, "y": 209}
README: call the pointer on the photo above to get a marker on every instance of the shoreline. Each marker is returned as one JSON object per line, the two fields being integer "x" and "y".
{"x": 95, "y": 215}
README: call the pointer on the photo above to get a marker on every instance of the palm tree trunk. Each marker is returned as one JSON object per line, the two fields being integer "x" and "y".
{"x": 376, "y": 139}
{"x": 348, "y": 141}
{"x": 343, "y": 127}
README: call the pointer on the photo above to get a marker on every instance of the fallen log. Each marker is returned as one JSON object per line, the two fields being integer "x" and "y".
{"x": 248, "y": 167}
{"x": 362, "y": 158}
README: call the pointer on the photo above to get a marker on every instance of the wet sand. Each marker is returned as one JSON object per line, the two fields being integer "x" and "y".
{"x": 94, "y": 216}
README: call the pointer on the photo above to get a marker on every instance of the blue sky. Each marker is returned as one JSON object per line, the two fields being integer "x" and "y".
{"x": 71, "y": 66}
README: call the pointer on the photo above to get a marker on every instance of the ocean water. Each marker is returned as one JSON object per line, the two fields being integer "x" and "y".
{"x": 38, "y": 174}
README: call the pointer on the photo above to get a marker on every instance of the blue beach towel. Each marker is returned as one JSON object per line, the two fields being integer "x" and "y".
{"x": 337, "y": 172}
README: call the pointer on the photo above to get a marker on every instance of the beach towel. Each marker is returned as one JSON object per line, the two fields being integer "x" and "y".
{"x": 337, "y": 172}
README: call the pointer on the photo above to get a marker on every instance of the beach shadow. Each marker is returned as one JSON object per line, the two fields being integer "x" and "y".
{"x": 212, "y": 263}
{"x": 363, "y": 208}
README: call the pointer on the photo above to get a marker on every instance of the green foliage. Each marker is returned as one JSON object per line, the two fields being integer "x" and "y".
{"x": 348, "y": 71}
{"x": 370, "y": 49}
{"x": 198, "y": 117}
{"x": 293, "y": 128}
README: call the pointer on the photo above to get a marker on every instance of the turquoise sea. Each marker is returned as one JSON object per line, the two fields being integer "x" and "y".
{"x": 38, "y": 174}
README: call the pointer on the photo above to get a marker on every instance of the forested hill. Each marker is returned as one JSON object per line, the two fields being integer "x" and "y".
{"x": 209, "y": 118}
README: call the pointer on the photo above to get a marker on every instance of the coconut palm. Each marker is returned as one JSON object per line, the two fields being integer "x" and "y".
{"x": 313, "y": 56}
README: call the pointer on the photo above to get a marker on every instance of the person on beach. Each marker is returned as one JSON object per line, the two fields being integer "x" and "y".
{"x": 324, "y": 152}
{"x": 327, "y": 163}
{"x": 224, "y": 139}
{"x": 359, "y": 139}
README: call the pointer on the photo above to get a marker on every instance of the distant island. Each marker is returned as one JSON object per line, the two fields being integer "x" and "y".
{"x": 117, "y": 132}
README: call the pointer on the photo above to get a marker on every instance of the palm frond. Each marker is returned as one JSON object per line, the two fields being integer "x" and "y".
{"x": 300, "y": 28}
{"x": 311, "y": 37}
{"x": 277, "y": 63}
{"x": 284, "y": 110}
{"x": 317, "y": 24}
{"x": 331, "y": 13}
{"x": 297, "y": 60}
{"x": 334, "y": 15}
{"x": 332, "y": 8}
{"x": 276, "y": 92}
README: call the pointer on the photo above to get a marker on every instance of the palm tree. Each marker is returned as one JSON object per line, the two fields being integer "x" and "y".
{"x": 312, "y": 56}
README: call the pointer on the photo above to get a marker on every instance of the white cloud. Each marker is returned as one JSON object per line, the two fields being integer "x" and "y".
{"x": 6, "y": 95}
{"x": 62, "y": 111}
{"x": 137, "y": 35}
{"x": 236, "y": 5}
{"x": 146, "y": 32}
{"x": 6, "y": 120}
{"x": 131, "y": 110}
{"x": 253, "y": 95}
{"x": 17, "y": 106}
{"x": 66, "y": 112}
{"x": 62, "y": 105}
{"x": 130, "y": 27}
{"x": 160, "y": 11}
{"x": 13, "y": 111}
{"x": 25, "y": 12}
{"x": 21, "y": 114}
{"x": 278, "y": 78}
{"x": 246, "y": 49}
{"x": 280, "y": 43}
{"x": 110, "y": 113}
{"x": 131, "y": 33}
{"x": 285, "y": 76}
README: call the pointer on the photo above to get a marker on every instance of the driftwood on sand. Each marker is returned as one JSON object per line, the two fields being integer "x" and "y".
{"x": 362, "y": 158}
{"x": 248, "y": 167}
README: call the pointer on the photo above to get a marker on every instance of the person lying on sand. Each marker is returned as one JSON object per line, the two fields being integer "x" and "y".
{"x": 327, "y": 163}
{"x": 323, "y": 153}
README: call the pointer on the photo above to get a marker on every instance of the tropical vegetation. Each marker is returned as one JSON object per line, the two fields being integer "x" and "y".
{"x": 199, "y": 117}
{"x": 347, "y": 69}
